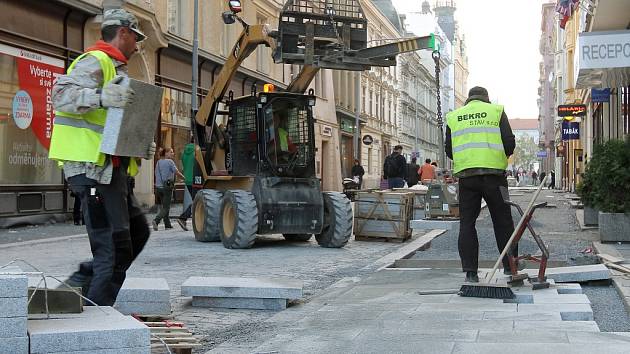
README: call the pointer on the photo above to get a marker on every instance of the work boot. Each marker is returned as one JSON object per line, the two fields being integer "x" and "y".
{"x": 472, "y": 277}
{"x": 155, "y": 225}
{"x": 182, "y": 224}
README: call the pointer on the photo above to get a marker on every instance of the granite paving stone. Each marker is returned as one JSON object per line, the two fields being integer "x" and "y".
{"x": 143, "y": 308}
{"x": 583, "y": 326}
{"x": 561, "y": 299}
{"x": 598, "y": 337}
{"x": 522, "y": 316}
{"x": 516, "y": 336}
{"x": 13, "y": 285}
{"x": 13, "y": 306}
{"x": 528, "y": 348}
{"x": 578, "y": 273}
{"x": 12, "y": 327}
{"x": 14, "y": 345}
{"x": 277, "y": 288}
{"x": 90, "y": 331}
{"x": 568, "y": 312}
{"x": 144, "y": 289}
{"x": 240, "y": 303}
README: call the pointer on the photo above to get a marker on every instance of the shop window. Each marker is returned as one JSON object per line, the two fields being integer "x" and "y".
{"x": 26, "y": 117}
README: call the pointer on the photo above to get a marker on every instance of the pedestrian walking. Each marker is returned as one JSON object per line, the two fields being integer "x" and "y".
{"x": 412, "y": 173}
{"x": 81, "y": 98}
{"x": 534, "y": 178}
{"x": 479, "y": 140}
{"x": 188, "y": 163}
{"x": 395, "y": 168}
{"x": 358, "y": 172}
{"x": 165, "y": 173}
{"x": 542, "y": 176}
{"x": 427, "y": 172}
{"x": 552, "y": 182}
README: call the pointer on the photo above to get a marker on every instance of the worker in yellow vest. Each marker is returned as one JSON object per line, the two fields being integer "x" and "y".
{"x": 479, "y": 140}
{"x": 116, "y": 226}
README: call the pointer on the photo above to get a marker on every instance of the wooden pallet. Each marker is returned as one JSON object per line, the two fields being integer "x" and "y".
{"x": 381, "y": 239}
{"x": 175, "y": 335}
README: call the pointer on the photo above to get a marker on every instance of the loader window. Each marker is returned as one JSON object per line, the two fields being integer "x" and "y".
{"x": 286, "y": 134}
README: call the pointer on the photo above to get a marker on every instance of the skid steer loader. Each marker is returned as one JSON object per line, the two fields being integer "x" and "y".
{"x": 255, "y": 155}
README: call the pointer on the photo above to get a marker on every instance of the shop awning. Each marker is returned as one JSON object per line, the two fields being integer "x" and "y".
{"x": 603, "y": 59}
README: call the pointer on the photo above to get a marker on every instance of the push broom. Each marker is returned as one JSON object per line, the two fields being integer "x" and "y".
{"x": 499, "y": 291}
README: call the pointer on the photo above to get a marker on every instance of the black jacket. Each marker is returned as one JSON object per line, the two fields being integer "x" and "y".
{"x": 400, "y": 165}
{"x": 357, "y": 170}
{"x": 412, "y": 174}
{"x": 509, "y": 142}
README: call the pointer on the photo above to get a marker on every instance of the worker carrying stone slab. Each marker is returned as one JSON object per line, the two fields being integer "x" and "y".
{"x": 116, "y": 226}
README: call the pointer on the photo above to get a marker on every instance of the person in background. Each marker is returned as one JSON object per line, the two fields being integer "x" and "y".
{"x": 188, "y": 163}
{"x": 542, "y": 176}
{"x": 412, "y": 173}
{"x": 81, "y": 98}
{"x": 395, "y": 168}
{"x": 534, "y": 178}
{"x": 358, "y": 172}
{"x": 165, "y": 172}
{"x": 552, "y": 182}
{"x": 426, "y": 172}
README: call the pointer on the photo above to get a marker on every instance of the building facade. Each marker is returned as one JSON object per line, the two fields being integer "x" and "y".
{"x": 32, "y": 188}
{"x": 546, "y": 92}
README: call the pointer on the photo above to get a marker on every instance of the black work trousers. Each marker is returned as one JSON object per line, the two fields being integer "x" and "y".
{"x": 471, "y": 190}
{"x": 107, "y": 213}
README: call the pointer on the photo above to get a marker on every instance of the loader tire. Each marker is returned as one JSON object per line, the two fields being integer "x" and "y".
{"x": 238, "y": 221}
{"x": 297, "y": 237}
{"x": 205, "y": 215}
{"x": 337, "y": 221}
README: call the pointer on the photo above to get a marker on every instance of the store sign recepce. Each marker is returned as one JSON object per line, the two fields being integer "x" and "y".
{"x": 571, "y": 110}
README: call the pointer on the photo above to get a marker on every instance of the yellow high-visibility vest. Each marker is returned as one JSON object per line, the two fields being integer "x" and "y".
{"x": 77, "y": 137}
{"x": 476, "y": 136}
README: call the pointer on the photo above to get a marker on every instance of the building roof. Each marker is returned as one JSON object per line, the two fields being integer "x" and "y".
{"x": 388, "y": 9}
{"x": 524, "y": 124}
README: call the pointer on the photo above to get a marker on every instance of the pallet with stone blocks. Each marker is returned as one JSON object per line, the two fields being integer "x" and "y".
{"x": 172, "y": 334}
{"x": 383, "y": 215}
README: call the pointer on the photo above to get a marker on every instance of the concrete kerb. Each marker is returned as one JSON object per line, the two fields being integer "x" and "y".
{"x": 619, "y": 281}
{"x": 579, "y": 215}
{"x": 405, "y": 251}
{"x": 45, "y": 240}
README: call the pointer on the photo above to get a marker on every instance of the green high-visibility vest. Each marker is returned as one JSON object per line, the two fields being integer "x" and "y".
{"x": 476, "y": 136}
{"x": 284, "y": 139}
{"x": 77, "y": 137}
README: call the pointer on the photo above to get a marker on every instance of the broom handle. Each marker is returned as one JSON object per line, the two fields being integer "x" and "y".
{"x": 520, "y": 224}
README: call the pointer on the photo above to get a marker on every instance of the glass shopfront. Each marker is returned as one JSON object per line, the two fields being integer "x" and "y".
{"x": 175, "y": 121}
{"x": 26, "y": 116}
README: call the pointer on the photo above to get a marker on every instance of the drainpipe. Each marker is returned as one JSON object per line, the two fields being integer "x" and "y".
{"x": 195, "y": 65}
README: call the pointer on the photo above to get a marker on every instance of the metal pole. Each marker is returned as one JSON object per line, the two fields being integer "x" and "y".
{"x": 357, "y": 115}
{"x": 195, "y": 64}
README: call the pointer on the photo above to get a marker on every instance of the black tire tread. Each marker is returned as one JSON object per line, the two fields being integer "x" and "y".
{"x": 211, "y": 200}
{"x": 337, "y": 234}
{"x": 246, "y": 223}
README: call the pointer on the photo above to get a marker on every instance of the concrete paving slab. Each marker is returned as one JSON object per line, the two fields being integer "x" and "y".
{"x": 522, "y": 316}
{"x": 528, "y": 348}
{"x": 456, "y": 299}
{"x": 569, "y": 288}
{"x": 12, "y": 327}
{"x": 144, "y": 289}
{"x": 15, "y": 345}
{"x": 110, "y": 351}
{"x": 426, "y": 334}
{"x": 561, "y": 299}
{"x": 413, "y": 326}
{"x": 583, "y": 326}
{"x": 143, "y": 308}
{"x": 433, "y": 224}
{"x": 598, "y": 337}
{"x": 13, "y": 306}
{"x": 579, "y": 273}
{"x": 431, "y": 316}
{"x": 568, "y": 312}
{"x": 13, "y": 285}
{"x": 264, "y": 288}
{"x": 511, "y": 336}
{"x": 240, "y": 303}
{"x": 467, "y": 307}
{"x": 89, "y": 331}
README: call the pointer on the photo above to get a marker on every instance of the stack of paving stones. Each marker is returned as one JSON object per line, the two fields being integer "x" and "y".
{"x": 242, "y": 293}
{"x": 13, "y": 312}
{"x": 145, "y": 297}
{"x": 97, "y": 330}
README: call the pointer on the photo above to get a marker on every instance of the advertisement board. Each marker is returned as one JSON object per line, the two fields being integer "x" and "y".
{"x": 26, "y": 116}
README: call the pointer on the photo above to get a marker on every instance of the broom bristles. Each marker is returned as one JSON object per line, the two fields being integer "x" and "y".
{"x": 486, "y": 291}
